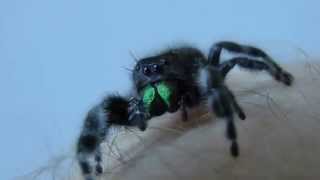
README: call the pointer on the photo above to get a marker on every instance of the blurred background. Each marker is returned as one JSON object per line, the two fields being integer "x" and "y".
{"x": 59, "y": 57}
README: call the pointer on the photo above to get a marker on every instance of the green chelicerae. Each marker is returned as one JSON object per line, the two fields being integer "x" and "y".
{"x": 149, "y": 94}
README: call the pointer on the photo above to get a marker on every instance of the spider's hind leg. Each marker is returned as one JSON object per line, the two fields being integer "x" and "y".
{"x": 255, "y": 65}
{"x": 258, "y": 60}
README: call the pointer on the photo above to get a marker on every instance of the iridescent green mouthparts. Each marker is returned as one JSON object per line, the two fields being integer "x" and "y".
{"x": 149, "y": 94}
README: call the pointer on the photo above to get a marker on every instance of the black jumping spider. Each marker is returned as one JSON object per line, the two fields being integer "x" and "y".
{"x": 177, "y": 78}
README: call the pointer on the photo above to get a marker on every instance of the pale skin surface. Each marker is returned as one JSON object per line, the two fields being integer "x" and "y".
{"x": 278, "y": 140}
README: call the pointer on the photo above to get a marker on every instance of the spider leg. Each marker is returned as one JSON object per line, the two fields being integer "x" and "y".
{"x": 236, "y": 106}
{"x": 215, "y": 51}
{"x": 265, "y": 62}
{"x": 189, "y": 99}
{"x": 88, "y": 146}
{"x": 184, "y": 112}
{"x": 114, "y": 110}
{"x": 221, "y": 104}
{"x": 255, "y": 65}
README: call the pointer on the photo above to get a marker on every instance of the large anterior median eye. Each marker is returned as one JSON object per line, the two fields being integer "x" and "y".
{"x": 146, "y": 71}
{"x": 155, "y": 68}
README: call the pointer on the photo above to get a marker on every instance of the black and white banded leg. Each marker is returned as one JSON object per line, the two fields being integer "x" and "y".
{"x": 114, "y": 110}
{"x": 258, "y": 60}
{"x": 88, "y": 147}
{"x": 254, "y": 65}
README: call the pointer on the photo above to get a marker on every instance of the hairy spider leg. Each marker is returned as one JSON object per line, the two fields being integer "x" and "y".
{"x": 266, "y": 63}
{"x": 221, "y": 104}
{"x": 114, "y": 110}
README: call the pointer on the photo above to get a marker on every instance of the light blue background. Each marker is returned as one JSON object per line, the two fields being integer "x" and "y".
{"x": 59, "y": 57}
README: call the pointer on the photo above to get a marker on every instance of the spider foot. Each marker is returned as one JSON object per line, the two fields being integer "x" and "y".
{"x": 99, "y": 169}
{"x": 242, "y": 115}
{"x": 285, "y": 78}
{"x": 234, "y": 149}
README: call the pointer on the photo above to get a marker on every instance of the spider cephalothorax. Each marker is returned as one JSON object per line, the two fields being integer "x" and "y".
{"x": 175, "y": 79}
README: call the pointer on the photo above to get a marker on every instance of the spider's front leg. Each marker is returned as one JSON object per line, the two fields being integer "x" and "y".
{"x": 114, "y": 110}
{"x": 138, "y": 115}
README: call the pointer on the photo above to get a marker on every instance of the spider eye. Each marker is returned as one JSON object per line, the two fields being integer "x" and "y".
{"x": 146, "y": 71}
{"x": 155, "y": 68}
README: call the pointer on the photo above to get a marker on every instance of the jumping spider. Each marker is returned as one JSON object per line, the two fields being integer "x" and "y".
{"x": 175, "y": 79}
